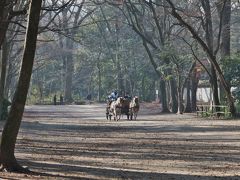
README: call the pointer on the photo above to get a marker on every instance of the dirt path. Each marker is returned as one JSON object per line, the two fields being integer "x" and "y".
{"x": 77, "y": 142}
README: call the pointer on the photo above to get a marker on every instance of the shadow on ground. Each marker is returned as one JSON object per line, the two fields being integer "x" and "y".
{"x": 77, "y": 144}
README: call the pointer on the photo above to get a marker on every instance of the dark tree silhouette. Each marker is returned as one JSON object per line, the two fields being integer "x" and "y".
{"x": 11, "y": 128}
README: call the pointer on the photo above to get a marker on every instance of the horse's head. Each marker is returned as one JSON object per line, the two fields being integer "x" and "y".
{"x": 135, "y": 99}
{"x": 119, "y": 101}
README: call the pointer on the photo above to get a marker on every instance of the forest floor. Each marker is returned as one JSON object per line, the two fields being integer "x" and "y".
{"x": 77, "y": 142}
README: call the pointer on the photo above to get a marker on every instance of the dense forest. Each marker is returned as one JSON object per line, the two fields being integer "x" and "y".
{"x": 92, "y": 47}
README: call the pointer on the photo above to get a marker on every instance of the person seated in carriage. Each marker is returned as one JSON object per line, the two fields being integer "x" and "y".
{"x": 113, "y": 96}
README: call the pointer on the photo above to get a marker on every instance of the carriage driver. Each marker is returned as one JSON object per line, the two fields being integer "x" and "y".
{"x": 113, "y": 96}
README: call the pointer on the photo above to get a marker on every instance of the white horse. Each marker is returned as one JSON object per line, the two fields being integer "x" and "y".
{"x": 134, "y": 108}
{"x": 115, "y": 108}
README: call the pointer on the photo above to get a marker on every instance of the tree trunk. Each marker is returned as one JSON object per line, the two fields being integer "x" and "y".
{"x": 188, "y": 107}
{"x": 226, "y": 29}
{"x": 226, "y": 36}
{"x": 143, "y": 89}
{"x": 174, "y": 102}
{"x": 194, "y": 87}
{"x": 163, "y": 97}
{"x": 8, "y": 79}
{"x": 3, "y": 78}
{"x": 214, "y": 84}
{"x": 179, "y": 95}
{"x": 69, "y": 72}
{"x": 99, "y": 82}
{"x": 11, "y": 128}
{"x": 68, "y": 80}
{"x": 225, "y": 13}
{"x": 209, "y": 39}
{"x": 180, "y": 101}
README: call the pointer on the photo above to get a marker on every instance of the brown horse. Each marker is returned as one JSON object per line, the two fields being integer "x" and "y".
{"x": 125, "y": 107}
{"x": 115, "y": 108}
{"x": 134, "y": 108}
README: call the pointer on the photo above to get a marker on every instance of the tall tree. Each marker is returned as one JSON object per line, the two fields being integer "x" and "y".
{"x": 212, "y": 56}
{"x": 70, "y": 20}
{"x": 11, "y": 128}
{"x": 11, "y": 10}
{"x": 209, "y": 35}
{"x": 224, "y": 11}
{"x": 139, "y": 15}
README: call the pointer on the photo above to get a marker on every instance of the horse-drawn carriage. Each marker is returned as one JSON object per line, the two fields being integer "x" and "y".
{"x": 122, "y": 106}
